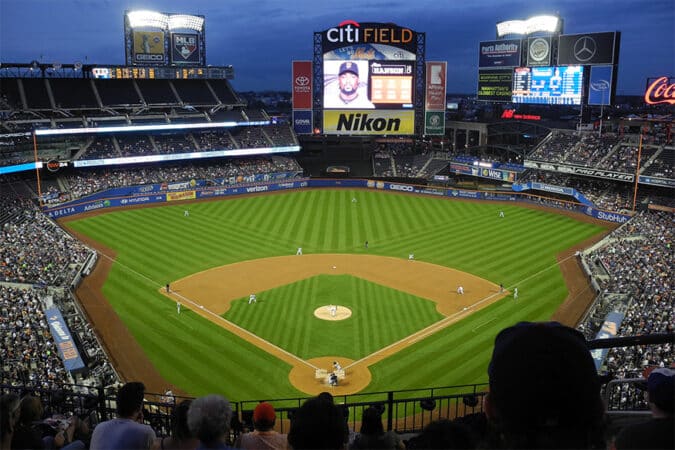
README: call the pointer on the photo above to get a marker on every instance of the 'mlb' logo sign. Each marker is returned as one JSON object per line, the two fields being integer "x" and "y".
{"x": 660, "y": 90}
{"x": 369, "y": 122}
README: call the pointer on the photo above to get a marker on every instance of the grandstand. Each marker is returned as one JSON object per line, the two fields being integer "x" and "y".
{"x": 168, "y": 138}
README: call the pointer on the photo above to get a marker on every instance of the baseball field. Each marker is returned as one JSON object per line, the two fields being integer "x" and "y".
{"x": 399, "y": 323}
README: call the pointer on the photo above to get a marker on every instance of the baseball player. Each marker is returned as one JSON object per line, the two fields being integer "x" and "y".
{"x": 460, "y": 290}
{"x": 366, "y": 244}
{"x": 337, "y": 366}
{"x": 178, "y": 307}
{"x": 252, "y": 299}
{"x": 501, "y": 213}
{"x": 333, "y": 310}
{"x": 168, "y": 289}
{"x": 501, "y": 288}
{"x": 411, "y": 257}
{"x": 515, "y": 293}
{"x": 299, "y": 252}
{"x": 354, "y": 200}
{"x": 186, "y": 213}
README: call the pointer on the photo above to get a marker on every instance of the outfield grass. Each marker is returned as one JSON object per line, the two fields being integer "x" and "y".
{"x": 157, "y": 245}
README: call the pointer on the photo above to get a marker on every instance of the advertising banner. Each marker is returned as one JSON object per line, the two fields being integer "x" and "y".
{"x": 434, "y": 122}
{"x": 588, "y": 49}
{"x": 181, "y": 195}
{"x": 436, "y": 74}
{"x": 585, "y": 171}
{"x": 610, "y": 328}
{"x": 369, "y": 36}
{"x": 185, "y": 49}
{"x": 302, "y": 84}
{"x": 302, "y": 121}
{"x": 600, "y": 85}
{"x": 148, "y": 47}
{"x": 503, "y": 53}
{"x": 539, "y": 51}
{"x": 373, "y": 122}
{"x": 63, "y": 339}
{"x": 495, "y": 85}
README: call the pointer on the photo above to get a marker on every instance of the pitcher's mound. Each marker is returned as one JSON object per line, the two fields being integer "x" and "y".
{"x": 333, "y": 312}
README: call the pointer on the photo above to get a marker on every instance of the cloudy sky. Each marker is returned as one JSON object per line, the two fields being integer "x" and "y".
{"x": 260, "y": 38}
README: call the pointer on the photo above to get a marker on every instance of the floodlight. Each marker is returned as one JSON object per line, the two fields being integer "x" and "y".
{"x": 183, "y": 21}
{"x": 147, "y": 19}
{"x": 548, "y": 24}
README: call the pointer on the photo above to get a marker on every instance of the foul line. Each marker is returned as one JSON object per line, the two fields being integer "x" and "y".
{"x": 409, "y": 340}
{"x": 197, "y": 307}
{"x": 447, "y": 321}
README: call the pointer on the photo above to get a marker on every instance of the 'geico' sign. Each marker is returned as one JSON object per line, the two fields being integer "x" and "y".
{"x": 401, "y": 187}
{"x": 394, "y": 122}
{"x": 350, "y": 32}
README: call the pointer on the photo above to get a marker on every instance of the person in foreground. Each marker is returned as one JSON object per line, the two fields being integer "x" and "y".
{"x": 263, "y": 437}
{"x": 128, "y": 430}
{"x": 659, "y": 431}
{"x": 209, "y": 420}
{"x": 318, "y": 424}
{"x": 544, "y": 390}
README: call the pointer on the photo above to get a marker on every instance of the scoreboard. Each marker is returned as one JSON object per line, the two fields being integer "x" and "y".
{"x": 163, "y": 73}
{"x": 559, "y": 85}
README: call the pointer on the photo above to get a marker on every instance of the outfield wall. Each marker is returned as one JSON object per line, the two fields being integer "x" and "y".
{"x": 193, "y": 190}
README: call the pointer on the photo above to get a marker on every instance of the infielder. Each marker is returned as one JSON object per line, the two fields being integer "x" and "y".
{"x": 460, "y": 290}
{"x": 252, "y": 299}
{"x": 411, "y": 257}
{"x": 299, "y": 252}
{"x": 178, "y": 307}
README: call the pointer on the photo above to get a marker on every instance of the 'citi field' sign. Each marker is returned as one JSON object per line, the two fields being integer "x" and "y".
{"x": 660, "y": 90}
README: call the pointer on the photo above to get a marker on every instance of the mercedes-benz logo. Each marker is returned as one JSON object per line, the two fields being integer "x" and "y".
{"x": 302, "y": 80}
{"x": 585, "y": 48}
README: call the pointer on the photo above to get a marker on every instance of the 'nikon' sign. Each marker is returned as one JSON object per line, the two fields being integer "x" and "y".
{"x": 394, "y": 122}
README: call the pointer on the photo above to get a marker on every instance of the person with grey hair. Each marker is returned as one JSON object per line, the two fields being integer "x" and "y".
{"x": 209, "y": 420}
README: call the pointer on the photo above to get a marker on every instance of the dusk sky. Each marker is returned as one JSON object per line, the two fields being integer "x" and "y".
{"x": 260, "y": 38}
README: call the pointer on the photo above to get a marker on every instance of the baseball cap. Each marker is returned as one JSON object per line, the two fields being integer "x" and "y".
{"x": 542, "y": 374}
{"x": 660, "y": 384}
{"x": 349, "y": 66}
{"x": 264, "y": 412}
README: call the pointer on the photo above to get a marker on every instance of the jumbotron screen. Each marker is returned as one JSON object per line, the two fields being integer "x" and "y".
{"x": 368, "y": 84}
{"x": 557, "y": 85}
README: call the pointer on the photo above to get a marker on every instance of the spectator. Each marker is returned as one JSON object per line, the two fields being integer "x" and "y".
{"x": 544, "y": 389}
{"x": 9, "y": 415}
{"x": 657, "y": 433}
{"x": 209, "y": 420}
{"x": 263, "y": 437}
{"x": 443, "y": 434}
{"x": 181, "y": 437}
{"x": 128, "y": 430}
{"x": 318, "y": 424}
{"x": 31, "y": 432}
{"x": 372, "y": 433}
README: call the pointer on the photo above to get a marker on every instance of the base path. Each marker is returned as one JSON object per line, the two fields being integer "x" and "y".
{"x": 204, "y": 293}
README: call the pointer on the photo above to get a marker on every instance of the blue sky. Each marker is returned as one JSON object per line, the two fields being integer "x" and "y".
{"x": 261, "y": 38}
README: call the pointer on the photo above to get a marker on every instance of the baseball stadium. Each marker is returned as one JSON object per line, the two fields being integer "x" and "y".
{"x": 157, "y": 227}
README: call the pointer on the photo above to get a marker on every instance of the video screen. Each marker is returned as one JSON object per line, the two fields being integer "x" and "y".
{"x": 368, "y": 84}
{"x": 557, "y": 85}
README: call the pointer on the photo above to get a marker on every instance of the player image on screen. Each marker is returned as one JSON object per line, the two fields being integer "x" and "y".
{"x": 346, "y": 85}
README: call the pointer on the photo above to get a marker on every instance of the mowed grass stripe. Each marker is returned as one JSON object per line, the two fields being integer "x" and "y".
{"x": 466, "y": 235}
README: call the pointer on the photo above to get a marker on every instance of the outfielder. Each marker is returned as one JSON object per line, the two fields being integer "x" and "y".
{"x": 501, "y": 213}
{"x": 299, "y": 252}
{"x": 178, "y": 307}
{"x": 186, "y": 213}
{"x": 515, "y": 293}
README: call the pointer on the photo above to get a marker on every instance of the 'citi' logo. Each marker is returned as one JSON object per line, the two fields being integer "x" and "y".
{"x": 660, "y": 91}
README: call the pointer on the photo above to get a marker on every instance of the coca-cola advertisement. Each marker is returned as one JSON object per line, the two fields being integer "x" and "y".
{"x": 660, "y": 90}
